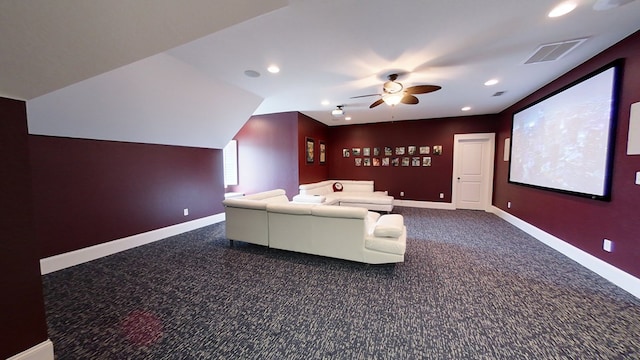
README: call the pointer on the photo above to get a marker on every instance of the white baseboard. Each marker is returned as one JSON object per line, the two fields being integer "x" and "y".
{"x": 42, "y": 351}
{"x": 623, "y": 280}
{"x": 62, "y": 261}
{"x": 424, "y": 204}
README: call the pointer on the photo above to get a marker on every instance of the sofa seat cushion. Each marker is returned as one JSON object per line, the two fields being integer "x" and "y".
{"x": 370, "y": 198}
{"x": 390, "y": 226}
{"x": 333, "y": 198}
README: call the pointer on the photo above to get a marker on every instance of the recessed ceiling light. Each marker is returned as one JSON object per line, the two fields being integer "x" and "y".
{"x": 273, "y": 69}
{"x": 325, "y": 102}
{"x": 491, "y": 82}
{"x": 466, "y": 108}
{"x": 252, "y": 73}
{"x": 348, "y": 118}
{"x": 562, "y": 9}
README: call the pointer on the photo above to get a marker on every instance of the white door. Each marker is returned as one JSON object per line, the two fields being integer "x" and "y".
{"x": 473, "y": 171}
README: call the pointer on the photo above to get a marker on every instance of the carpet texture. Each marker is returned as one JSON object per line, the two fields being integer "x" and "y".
{"x": 472, "y": 287}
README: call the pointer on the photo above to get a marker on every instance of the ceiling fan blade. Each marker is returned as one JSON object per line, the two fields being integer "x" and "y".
{"x": 361, "y": 96}
{"x": 422, "y": 89}
{"x": 409, "y": 99}
{"x": 376, "y": 103}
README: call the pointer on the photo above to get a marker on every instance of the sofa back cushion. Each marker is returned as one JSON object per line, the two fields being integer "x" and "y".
{"x": 327, "y": 187}
{"x": 245, "y": 203}
{"x": 339, "y": 212}
{"x": 357, "y": 185}
{"x": 319, "y": 188}
{"x": 290, "y": 208}
{"x": 278, "y": 196}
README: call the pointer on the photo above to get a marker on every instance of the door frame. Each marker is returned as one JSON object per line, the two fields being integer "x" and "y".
{"x": 490, "y": 138}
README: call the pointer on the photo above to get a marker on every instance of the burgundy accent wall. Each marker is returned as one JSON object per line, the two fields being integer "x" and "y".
{"x": 268, "y": 154}
{"x": 88, "y": 192}
{"x": 417, "y": 183}
{"x": 310, "y": 128}
{"x": 581, "y": 222}
{"x": 22, "y": 315}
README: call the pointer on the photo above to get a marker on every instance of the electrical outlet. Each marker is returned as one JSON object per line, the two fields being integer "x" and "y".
{"x": 441, "y": 195}
{"x": 508, "y": 204}
{"x": 401, "y": 193}
{"x": 186, "y": 212}
{"x": 607, "y": 245}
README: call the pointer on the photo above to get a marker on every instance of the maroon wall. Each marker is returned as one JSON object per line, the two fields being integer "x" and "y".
{"x": 88, "y": 192}
{"x": 22, "y": 317}
{"x": 417, "y": 183}
{"x": 268, "y": 154}
{"x": 582, "y": 222}
{"x": 310, "y": 128}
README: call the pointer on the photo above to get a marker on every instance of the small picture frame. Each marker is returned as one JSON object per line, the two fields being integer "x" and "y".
{"x": 400, "y": 150}
{"x": 388, "y": 151}
{"x": 385, "y": 161}
{"x": 323, "y": 152}
{"x": 411, "y": 150}
{"x": 376, "y": 161}
{"x": 437, "y": 150}
{"x": 310, "y": 155}
{"x": 346, "y": 153}
{"x": 424, "y": 150}
{"x": 356, "y": 151}
{"x": 426, "y": 161}
{"x": 395, "y": 161}
{"x": 415, "y": 161}
{"x": 358, "y": 161}
{"x": 366, "y": 161}
{"x": 405, "y": 161}
{"x": 376, "y": 151}
{"x": 366, "y": 151}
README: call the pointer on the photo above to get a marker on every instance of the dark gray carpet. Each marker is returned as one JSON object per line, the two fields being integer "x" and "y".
{"x": 472, "y": 287}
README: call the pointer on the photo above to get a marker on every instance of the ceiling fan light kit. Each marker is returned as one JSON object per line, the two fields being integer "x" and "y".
{"x": 392, "y": 99}
{"x": 394, "y": 93}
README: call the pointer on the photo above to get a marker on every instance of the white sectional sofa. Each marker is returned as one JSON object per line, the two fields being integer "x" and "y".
{"x": 358, "y": 193}
{"x": 343, "y": 232}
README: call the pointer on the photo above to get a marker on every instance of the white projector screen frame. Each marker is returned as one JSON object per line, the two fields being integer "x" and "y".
{"x": 564, "y": 141}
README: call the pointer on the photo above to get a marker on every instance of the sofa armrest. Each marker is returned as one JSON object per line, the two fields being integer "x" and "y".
{"x": 391, "y": 226}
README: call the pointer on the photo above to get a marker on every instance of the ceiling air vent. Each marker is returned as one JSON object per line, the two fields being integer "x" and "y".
{"x": 554, "y": 51}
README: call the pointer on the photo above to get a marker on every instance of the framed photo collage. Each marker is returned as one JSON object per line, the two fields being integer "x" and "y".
{"x": 410, "y": 155}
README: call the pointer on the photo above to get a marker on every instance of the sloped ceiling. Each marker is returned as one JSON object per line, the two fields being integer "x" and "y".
{"x": 47, "y": 45}
{"x": 96, "y": 69}
{"x": 157, "y": 100}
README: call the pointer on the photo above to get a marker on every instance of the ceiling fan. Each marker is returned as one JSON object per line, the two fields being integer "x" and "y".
{"x": 394, "y": 93}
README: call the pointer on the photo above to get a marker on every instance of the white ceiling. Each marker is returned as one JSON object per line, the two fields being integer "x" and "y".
{"x": 56, "y": 52}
